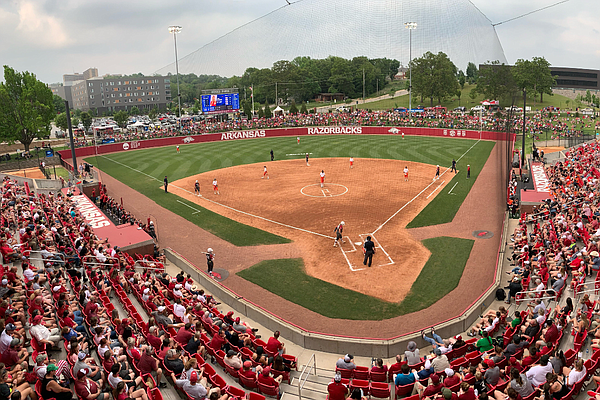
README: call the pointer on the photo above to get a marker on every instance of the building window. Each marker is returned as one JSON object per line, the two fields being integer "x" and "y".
{"x": 93, "y": 103}
{"x": 167, "y": 80}
{"x": 91, "y": 90}
{"x": 91, "y": 96}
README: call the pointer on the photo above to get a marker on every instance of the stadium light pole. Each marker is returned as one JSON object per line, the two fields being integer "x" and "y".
{"x": 175, "y": 29}
{"x": 410, "y": 26}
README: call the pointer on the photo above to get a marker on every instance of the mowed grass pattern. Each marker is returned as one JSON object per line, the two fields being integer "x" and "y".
{"x": 144, "y": 170}
{"x": 440, "y": 275}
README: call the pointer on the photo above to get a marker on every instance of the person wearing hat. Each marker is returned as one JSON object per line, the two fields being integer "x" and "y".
{"x": 451, "y": 378}
{"x": 87, "y": 389}
{"x": 411, "y": 355}
{"x": 15, "y": 355}
{"x": 448, "y": 394}
{"x": 177, "y": 293}
{"x": 233, "y": 360}
{"x": 50, "y": 388}
{"x": 558, "y": 283}
{"x": 163, "y": 320}
{"x": 492, "y": 373}
{"x": 247, "y": 370}
{"x": 513, "y": 288}
{"x": 7, "y": 336}
{"x": 336, "y": 390}
{"x": 94, "y": 372}
{"x": 266, "y": 379}
{"x": 42, "y": 334}
{"x": 594, "y": 261}
{"x": 210, "y": 258}
{"x": 440, "y": 362}
{"x": 195, "y": 387}
{"x": 345, "y": 362}
{"x": 432, "y": 389}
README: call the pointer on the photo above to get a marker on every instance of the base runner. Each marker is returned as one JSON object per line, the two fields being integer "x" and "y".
{"x": 338, "y": 233}
{"x": 215, "y": 187}
{"x": 197, "y": 188}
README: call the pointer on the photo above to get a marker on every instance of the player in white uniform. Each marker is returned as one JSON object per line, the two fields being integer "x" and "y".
{"x": 265, "y": 173}
{"x": 177, "y": 149}
{"x": 339, "y": 230}
{"x": 351, "y": 162}
{"x": 406, "y": 174}
{"x": 215, "y": 187}
{"x": 322, "y": 175}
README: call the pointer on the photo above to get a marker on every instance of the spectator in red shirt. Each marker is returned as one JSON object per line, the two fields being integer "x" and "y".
{"x": 466, "y": 392}
{"x": 336, "y": 389}
{"x": 152, "y": 339}
{"x": 184, "y": 334}
{"x": 247, "y": 370}
{"x": 148, "y": 364}
{"x": 550, "y": 334}
{"x": 274, "y": 345}
{"x": 451, "y": 378}
{"x": 218, "y": 340}
{"x": 266, "y": 379}
{"x": 379, "y": 366}
{"x": 432, "y": 389}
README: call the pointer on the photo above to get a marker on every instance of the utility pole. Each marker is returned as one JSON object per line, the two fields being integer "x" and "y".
{"x": 410, "y": 26}
{"x": 252, "y": 95}
{"x": 276, "y": 99}
{"x": 363, "y": 86}
{"x": 523, "y": 141}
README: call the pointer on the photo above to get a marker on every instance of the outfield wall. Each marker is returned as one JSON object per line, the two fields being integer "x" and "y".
{"x": 261, "y": 133}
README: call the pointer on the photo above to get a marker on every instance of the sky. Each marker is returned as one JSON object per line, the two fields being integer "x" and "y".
{"x": 55, "y": 37}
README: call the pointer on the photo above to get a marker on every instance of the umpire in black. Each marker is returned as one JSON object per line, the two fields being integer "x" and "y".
{"x": 369, "y": 250}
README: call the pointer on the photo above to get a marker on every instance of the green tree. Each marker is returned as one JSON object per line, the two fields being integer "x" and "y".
{"x": 472, "y": 73}
{"x": 86, "y": 120}
{"x": 153, "y": 113}
{"x": 462, "y": 80}
{"x": 75, "y": 122}
{"x": 534, "y": 75}
{"x": 495, "y": 81}
{"x": 59, "y": 104}
{"x": 121, "y": 118}
{"x": 267, "y": 111}
{"x": 61, "y": 121}
{"x": 434, "y": 76}
{"x": 458, "y": 94}
{"x": 294, "y": 108}
{"x": 303, "y": 109}
{"x": 247, "y": 107}
{"x": 134, "y": 111}
{"x": 26, "y": 106}
{"x": 260, "y": 112}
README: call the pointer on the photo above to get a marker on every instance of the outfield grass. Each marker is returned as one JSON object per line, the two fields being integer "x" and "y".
{"x": 144, "y": 170}
{"x": 287, "y": 279}
{"x": 444, "y": 206}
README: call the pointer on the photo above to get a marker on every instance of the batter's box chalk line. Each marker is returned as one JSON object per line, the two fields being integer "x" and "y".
{"x": 378, "y": 245}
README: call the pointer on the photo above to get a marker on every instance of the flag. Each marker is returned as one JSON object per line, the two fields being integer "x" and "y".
{"x": 252, "y": 90}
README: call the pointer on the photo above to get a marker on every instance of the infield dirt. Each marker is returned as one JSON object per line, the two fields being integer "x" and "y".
{"x": 365, "y": 197}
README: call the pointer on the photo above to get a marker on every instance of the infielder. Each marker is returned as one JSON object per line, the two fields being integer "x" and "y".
{"x": 406, "y": 174}
{"x": 265, "y": 173}
{"x": 338, "y": 233}
{"x": 453, "y": 166}
{"x": 197, "y": 188}
{"x": 210, "y": 256}
{"x": 437, "y": 173}
{"x": 166, "y": 183}
{"x": 215, "y": 187}
{"x": 351, "y": 162}
{"x": 322, "y": 175}
{"x": 307, "y": 164}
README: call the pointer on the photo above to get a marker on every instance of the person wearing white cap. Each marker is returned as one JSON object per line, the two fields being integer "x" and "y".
{"x": 210, "y": 258}
{"x": 346, "y": 362}
{"x": 451, "y": 378}
{"x": 339, "y": 230}
{"x": 336, "y": 390}
{"x": 558, "y": 284}
{"x": 146, "y": 294}
{"x": 177, "y": 291}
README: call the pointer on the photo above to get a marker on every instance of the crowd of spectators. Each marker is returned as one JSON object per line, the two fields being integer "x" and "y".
{"x": 66, "y": 303}
{"x": 538, "y": 124}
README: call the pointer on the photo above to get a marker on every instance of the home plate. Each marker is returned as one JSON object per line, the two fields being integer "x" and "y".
{"x": 358, "y": 243}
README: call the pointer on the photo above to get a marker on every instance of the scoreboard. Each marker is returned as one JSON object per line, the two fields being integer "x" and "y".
{"x": 220, "y": 103}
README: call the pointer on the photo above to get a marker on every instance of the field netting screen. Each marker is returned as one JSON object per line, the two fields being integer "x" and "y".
{"x": 350, "y": 28}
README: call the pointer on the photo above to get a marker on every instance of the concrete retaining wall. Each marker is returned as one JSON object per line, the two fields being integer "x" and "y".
{"x": 384, "y": 348}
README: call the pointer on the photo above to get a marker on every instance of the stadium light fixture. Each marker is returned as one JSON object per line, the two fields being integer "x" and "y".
{"x": 411, "y": 26}
{"x": 175, "y": 29}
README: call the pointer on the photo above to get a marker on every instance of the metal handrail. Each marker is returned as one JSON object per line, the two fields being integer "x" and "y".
{"x": 98, "y": 263}
{"x": 313, "y": 366}
{"x": 61, "y": 255}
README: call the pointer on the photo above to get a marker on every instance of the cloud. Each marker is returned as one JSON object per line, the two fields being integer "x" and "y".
{"x": 41, "y": 30}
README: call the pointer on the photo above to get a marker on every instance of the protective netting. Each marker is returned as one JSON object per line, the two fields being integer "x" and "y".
{"x": 350, "y": 28}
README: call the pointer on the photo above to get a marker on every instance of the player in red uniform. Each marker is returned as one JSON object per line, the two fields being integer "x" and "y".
{"x": 265, "y": 173}
{"x": 351, "y": 162}
{"x": 298, "y": 139}
{"x": 215, "y": 187}
{"x": 406, "y": 174}
{"x": 322, "y": 175}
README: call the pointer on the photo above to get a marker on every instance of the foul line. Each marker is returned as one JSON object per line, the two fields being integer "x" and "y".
{"x": 187, "y": 205}
{"x": 223, "y": 205}
{"x": 450, "y": 192}
{"x": 435, "y": 190}
{"x": 298, "y": 154}
{"x": 421, "y": 192}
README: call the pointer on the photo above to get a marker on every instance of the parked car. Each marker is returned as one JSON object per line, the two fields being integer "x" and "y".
{"x": 478, "y": 108}
{"x": 461, "y": 109}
